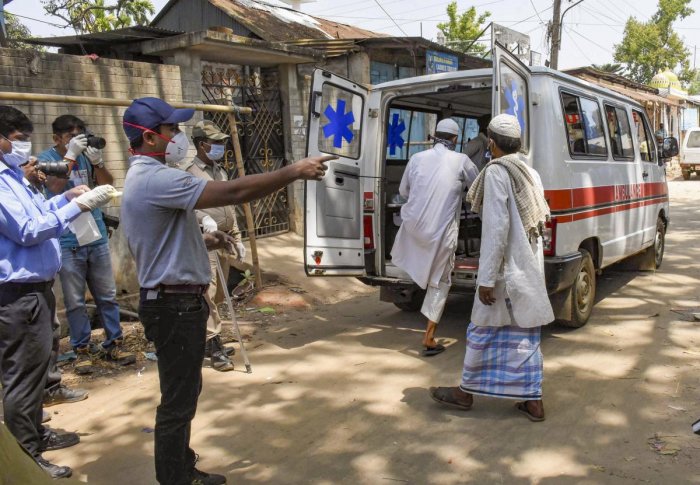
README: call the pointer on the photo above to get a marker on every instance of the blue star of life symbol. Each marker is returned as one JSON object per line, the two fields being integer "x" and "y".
{"x": 338, "y": 122}
{"x": 396, "y": 127}
{"x": 516, "y": 104}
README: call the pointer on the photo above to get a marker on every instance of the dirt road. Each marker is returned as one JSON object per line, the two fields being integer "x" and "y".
{"x": 339, "y": 395}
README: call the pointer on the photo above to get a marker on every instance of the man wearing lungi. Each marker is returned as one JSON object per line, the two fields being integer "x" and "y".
{"x": 503, "y": 357}
{"x": 434, "y": 183}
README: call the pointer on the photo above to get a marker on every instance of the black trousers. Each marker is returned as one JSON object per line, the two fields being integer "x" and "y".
{"x": 177, "y": 325}
{"x": 53, "y": 380}
{"x": 26, "y": 338}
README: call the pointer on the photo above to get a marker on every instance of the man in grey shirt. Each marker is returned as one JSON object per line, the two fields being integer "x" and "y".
{"x": 173, "y": 267}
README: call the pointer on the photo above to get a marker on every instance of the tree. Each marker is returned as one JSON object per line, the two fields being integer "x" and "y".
{"x": 16, "y": 31}
{"x": 618, "y": 69}
{"x": 694, "y": 85}
{"x": 88, "y": 16}
{"x": 462, "y": 30}
{"x": 653, "y": 46}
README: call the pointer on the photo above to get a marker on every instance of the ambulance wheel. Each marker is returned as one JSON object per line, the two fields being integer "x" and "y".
{"x": 582, "y": 293}
{"x": 659, "y": 243}
{"x": 414, "y": 304}
{"x": 686, "y": 175}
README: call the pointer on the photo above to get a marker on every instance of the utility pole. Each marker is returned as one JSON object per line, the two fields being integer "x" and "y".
{"x": 555, "y": 34}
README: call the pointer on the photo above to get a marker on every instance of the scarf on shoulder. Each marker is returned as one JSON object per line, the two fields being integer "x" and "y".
{"x": 530, "y": 201}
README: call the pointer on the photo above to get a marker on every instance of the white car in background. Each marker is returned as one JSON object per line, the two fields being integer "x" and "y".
{"x": 690, "y": 153}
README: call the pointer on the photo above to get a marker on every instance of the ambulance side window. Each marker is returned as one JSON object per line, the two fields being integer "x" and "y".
{"x": 340, "y": 129}
{"x": 513, "y": 93}
{"x": 647, "y": 150}
{"x": 620, "y": 133}
{"x": 584, "y": 127}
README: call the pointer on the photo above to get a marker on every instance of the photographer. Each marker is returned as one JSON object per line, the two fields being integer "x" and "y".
{"x": 29, "y": 260}
{"x": 90, "y": 263}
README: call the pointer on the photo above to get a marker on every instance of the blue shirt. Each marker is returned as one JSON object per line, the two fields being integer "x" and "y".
{"x": 82, "y": 174}
{"x": 160, "y": 224}
{"x": 29, "y": 229}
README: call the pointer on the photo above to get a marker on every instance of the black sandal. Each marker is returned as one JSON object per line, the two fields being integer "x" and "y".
{"x": 430, "y": 351}
{"x": 445, "y": 396}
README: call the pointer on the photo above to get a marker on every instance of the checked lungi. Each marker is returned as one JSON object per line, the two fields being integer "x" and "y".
{"x": 503, "y": 362}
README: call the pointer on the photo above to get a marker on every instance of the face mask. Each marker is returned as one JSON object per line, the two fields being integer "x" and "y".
{"x": 448, "y": 144}
{"x": 216, "y": 152}
{"x": 177, "y": 149}
{"x": 21, "y": 150}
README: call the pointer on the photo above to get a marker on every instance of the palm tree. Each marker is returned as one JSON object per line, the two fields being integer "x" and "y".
{"x": 611, "y": 68}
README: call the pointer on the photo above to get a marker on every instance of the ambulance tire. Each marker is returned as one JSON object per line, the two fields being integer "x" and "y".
{"x": 657, "y": 249}
{"x": 414, "y": 304}
{"x": 582, "y": 293}
{"x": 686, "y": 175}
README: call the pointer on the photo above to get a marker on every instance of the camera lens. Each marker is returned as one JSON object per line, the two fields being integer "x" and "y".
{"x": 56, "y": 169}
{"x": 96, "y": 142}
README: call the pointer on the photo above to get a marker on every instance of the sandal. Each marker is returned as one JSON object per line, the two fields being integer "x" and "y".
{"x": 522, "y": 408}
{"x": 445, "y": 395}
{"x": 430, "y": 351}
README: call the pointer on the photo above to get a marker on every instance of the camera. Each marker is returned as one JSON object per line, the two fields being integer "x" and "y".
{"x": 56, "y": 169}
{"x": 95, "y": 141}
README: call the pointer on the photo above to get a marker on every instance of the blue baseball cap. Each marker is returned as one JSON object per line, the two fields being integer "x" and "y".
{"x": 150, "y": 113}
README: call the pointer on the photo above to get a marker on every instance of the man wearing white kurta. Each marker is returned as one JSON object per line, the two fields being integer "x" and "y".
{"x": 503, "y": 357}
{"x": 433, "y": 183}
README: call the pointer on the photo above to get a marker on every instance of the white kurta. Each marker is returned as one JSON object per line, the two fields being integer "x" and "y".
{"x": 508, "y": 261}
{"x": 433, "y": 183}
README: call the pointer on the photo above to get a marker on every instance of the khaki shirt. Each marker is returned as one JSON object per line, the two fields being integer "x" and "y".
{"x": 225, "y": 217}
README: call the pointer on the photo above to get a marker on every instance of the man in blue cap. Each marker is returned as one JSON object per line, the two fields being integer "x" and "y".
{"x": 159, "y": 221}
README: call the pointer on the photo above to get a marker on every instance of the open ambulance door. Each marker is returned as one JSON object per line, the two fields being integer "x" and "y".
{"x": 333, "y": 226}
{"x": 511, "y": 89}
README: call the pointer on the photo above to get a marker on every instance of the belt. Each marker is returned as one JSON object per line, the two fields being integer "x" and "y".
{"x": 181, "y": 289}
{"x": 26, "y": 287}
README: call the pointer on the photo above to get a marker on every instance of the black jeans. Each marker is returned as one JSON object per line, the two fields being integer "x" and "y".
{"x": 177, "y": 325}
{"x": 26, "y": 338}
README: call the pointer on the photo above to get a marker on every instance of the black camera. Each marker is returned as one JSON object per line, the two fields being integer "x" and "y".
{"x": 56, "y": 169}
{"x": 95, "y": 141}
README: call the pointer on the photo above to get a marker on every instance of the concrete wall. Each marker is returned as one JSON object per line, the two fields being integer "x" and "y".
{"x": 28, "y": 72}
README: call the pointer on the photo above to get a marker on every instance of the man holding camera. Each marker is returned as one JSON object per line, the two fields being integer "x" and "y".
{"x": 29, "y": 260}
{"x": 91, "y": 263}
{"x": 210, "y": 143}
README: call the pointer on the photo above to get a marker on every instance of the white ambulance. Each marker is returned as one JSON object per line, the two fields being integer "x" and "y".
{"x": 593, "y": 148}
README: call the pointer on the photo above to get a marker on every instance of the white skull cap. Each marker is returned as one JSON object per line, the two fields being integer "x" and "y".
{"x": 448, "y": 125}
{"x": 506, "y": 125}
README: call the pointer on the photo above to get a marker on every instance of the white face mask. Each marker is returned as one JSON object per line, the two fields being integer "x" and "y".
{"x": 216, "y": 152}
{"x": 177, "y": 149}
{"x": 21, "y": 150}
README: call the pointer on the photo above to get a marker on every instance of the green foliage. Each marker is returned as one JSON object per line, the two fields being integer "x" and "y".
{"x": 461, "y": 30}
{"x": 88, "y": 16}
{"x": 16, "y": 31}
{"x": 618, "y": 69}
{"x": 653, "y": 46}
{"x": 694, "y": 86}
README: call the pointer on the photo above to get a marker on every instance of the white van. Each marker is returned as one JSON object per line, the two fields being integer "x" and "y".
{"x": 592, "y": 147}
{"x": 690, "y": 154}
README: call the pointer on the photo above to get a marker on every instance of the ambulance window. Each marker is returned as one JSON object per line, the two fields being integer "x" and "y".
{"x": 620, "y": 133}
{"x": 513, "y": 93}
{"x": 584, "y": 126}
{"x": 422, "y": 126}
{"x": 647, "y": 150}
{"x": 339, "y": 131}
{"x": 399, "y": 125}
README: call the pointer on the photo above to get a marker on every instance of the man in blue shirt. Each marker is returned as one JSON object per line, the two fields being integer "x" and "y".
{"x": 90, "y": 263}
{"x": 29, "y": 259}
{"x": 160, "y": 225}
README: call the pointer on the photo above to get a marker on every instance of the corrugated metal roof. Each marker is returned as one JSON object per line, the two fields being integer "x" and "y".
{"x": 120, "y": 36}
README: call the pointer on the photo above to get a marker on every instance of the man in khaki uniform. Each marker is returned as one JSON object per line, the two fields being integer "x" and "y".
{"x": 210, "y": 143}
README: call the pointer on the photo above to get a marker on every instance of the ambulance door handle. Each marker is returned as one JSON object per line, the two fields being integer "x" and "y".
{"x": 645, "y": 174}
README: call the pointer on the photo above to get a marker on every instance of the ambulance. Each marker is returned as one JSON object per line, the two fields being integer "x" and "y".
{"x": 594, "y": 149}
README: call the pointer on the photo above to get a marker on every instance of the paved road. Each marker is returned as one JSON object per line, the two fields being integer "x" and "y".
{"x": 339, "y": 396}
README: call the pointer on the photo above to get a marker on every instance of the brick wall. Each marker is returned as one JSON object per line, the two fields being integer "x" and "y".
{"x": 28, "y": 72}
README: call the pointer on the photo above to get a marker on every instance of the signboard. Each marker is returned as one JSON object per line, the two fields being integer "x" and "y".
{"x": 690, "y": 119}
{"x": 516, "y": 42}
{"x": 436, "y": 62}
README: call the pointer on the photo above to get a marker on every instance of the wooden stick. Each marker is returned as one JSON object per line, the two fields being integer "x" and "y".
{"x": 250, "y": 221}
{"x": 91, "y": 100}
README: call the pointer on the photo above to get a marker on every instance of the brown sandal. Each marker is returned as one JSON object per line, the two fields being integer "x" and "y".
{"x": 445, "y": 396}
{"x": 522, "y": 408}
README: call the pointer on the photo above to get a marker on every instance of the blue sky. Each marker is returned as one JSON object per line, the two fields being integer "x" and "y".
{"x": 591, "y": 29}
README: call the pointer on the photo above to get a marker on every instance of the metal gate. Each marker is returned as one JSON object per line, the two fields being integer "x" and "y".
{"x": 261, "y": 134}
